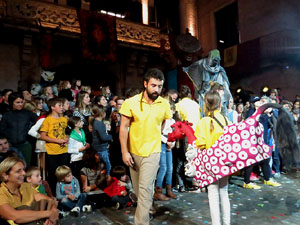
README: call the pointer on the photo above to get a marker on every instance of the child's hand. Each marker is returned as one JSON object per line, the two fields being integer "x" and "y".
{"x": 61, "y": 141}
{"x": 86, "y": 189}
{"x": 71, "y": 197}
{"x": 53, "y": 217}
{"x": 122, "y": 184}
{"x": 87, "y": 146}
{"x": 170, "y": 145}
{"x": 124, "y": 193}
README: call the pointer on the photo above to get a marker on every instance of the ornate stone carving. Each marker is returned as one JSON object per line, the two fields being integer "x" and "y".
{"x": 51, "y": 15}
{"x": 139, "y": 34}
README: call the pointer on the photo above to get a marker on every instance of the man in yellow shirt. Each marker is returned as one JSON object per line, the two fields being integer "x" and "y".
{"x": 140, "y": 138}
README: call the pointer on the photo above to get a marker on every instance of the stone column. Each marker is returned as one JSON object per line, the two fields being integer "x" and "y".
{"x": 188, "y": 17}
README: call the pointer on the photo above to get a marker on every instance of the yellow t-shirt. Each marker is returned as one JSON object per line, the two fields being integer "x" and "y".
{"x": 205, "y": 138}
{"x": 55, "y": 127}
{"x": 146, "y": 121}
{"x": 189, "y": 110}
{"x": 26, "y": 190}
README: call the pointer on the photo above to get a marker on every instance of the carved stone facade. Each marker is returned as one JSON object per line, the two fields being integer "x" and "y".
{"x": 51, "y": 16}
{"x": 139, "y": 34}
{"x": 48, "y": 14}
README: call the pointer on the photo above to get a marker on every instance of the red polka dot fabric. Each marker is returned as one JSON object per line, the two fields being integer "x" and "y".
{"x": 240, "y": 146}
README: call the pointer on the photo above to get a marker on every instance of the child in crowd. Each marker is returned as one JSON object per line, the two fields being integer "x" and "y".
{"x": 116, "y": 188}
{"x": 107, "y": 125}
{"x": 68, "y": 191}
{"x": 87, "y": 89}
{"x": 76, "y": 144}
{"x": 101, "y": 138}
{"x": 93, "y": 168}
{"x": 7, "y": 151}
{"x": 53, "y": 133}
{"x": 208, "y": 130}
{"x": 65, "y": 91}
{"x": 33, "y": 176}
{"x": 76, "y": 87}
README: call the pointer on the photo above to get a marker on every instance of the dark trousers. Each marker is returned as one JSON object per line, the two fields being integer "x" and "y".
{"x": 265, "y": 169}
{"x": 52, "y": 162}
{"x": 99, "y": 200}
{"x": 123, "y": 200}
{"x": 276, "y": 160}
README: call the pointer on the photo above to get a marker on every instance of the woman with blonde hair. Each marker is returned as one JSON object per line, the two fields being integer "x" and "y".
{"x": 18, "y": 197}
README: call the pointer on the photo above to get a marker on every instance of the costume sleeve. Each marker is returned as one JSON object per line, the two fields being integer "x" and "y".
{"x": 76, "y": 188}
{"x": 125, "y": 109}
{"x": 200, "y": 134}
{"x": 35, "y": 128}
{"x": 59, "y": 195}
{"x": 101, "y": 131}
{"x": 72, "y": 147}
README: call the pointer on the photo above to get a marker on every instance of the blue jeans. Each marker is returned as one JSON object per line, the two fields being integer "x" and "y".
{"x": 68, "y": 204}
{"x": 165, "y": 166}
{"x": 105, "y": 158}
{"x": 276, "y": 160}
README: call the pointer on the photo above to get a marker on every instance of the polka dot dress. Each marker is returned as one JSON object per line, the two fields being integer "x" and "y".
{"x": 241, "y": 145}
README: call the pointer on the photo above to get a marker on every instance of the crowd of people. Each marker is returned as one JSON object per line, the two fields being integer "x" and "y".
{"x": 62, "y": 150}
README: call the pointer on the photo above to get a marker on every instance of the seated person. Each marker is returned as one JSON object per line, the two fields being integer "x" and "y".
{"x": 68, "y": 191}
{"x": 33, "y": 176}
{"x": 14, "y": 193}
{"x": 115, "y": 187}
{"x": 93, "y": 168}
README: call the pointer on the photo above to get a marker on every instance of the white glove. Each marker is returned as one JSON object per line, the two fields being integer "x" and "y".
{"x": 190, "y": 169}
{"x": 191, "y": 153}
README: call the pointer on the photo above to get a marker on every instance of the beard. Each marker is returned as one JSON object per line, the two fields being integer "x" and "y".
{"x": 153, "y": 96}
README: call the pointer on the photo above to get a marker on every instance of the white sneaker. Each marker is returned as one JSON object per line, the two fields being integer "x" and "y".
{"x": 75, "y": 209}
{"x": 87, "y": 208}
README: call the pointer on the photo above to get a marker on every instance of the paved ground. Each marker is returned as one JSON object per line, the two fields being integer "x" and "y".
{"x": 269, "y": 205}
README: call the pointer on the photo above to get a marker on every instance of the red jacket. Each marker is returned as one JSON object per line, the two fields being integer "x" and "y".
{"x": 114, "y": 188}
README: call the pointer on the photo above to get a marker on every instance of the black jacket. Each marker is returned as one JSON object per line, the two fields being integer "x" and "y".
{"x": 15, "y": 125}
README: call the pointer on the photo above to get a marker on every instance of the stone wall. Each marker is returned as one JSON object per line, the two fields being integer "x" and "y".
{"x": 9, "y": 66}
{"x": 256, "y": 19}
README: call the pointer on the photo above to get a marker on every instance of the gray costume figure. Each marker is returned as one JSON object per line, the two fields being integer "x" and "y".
{"x": 205, "y": 70}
